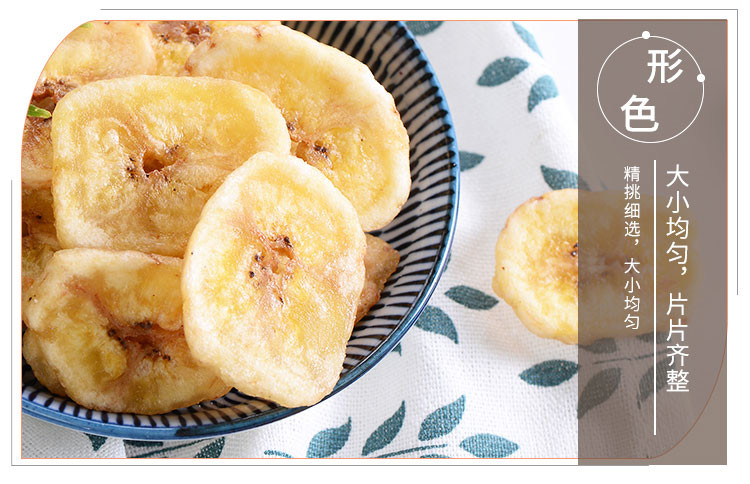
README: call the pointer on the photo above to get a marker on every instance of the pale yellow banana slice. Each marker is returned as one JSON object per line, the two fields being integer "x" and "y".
{"x": 381, "y": 260}
{"x": 109, "y": 325}
{"x": 273, "y": 274}
{"x": 536, "y": 265}
{"x": 136, "y": 158}
{"x": 341, "y": 120}
{"x": 602, "y": 276}
{"x": 538, "y": 275}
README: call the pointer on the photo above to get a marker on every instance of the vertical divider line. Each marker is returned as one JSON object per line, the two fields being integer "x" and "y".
{"x": 654, "y": 288}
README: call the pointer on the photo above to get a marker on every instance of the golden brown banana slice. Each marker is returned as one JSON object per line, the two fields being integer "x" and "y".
{"x": 381, "y": 260}
{"x": 341, "y": 120}
{"x": 43, "y": 371}
{"x": 137, "y": 158}
{"x": 536, "y": 265}
{"x": 110, "y": 326}
{"x": 273, "y": 273}
{"x": 37, "y": 212}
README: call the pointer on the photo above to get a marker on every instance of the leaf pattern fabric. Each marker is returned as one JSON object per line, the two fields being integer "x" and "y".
{"x": 599, "y": 389}
{"x": 489, "y": 446}
{"x": 544, "y": 88}
{"x": 558, "y": 179}
{"x": 527, "y": 37}
{"x": 501, "y": 71}
{"x": 329, "y": 441}
{"x": 212, "y": 450}
{"x": 96, "y": 441}
{"x": 471, "y": 298}
{"x": 420, "y": 28}
{"x": 443, "y": 420}
{"x": 469, "y": 160}
{"x": 549, "y": 373}
{"x": 435, "y": 320}
{"x": 386, "y": 432}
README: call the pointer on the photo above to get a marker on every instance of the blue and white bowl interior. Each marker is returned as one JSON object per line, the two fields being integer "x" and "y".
{"x": 422, "y": 234}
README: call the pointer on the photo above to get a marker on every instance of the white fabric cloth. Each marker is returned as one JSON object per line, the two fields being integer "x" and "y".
{"x": 433, "y": 370}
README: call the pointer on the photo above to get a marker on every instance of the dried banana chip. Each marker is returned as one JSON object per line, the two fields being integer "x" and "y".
{"x": 341, "y": 120}
{"x": 101, "y": 50}
{"x": 109, "y": 325}
{"x": 381, "y": 260}
{"x": 137, "y": 158}
{"x": 273, "y": 273}
{"x": 536, "y": 265}
{"x": 538, "y": 275}
{"x": 96, "y": 50}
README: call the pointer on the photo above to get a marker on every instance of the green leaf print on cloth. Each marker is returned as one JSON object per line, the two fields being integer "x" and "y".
{"x": 646, "y": 384}
{"x": 96, "y": 441}
{"x": 599, "y": 389}
{"x": 489, "y": 446}
{"x": 418, "y": 27}
{"x": 471, "y": 298}
{"x": 501, "y": 71}
{"x": 560, "y": 179}
{"x": 212, "y": 450}
{"x": 397, "y": 349}
{"x": 469, "y": 160}
{"x": 434, "y": 320}
{"x": 387, "y": 431}
{"x": 527, "y": 37}
{"x": 327, "y": 442}
{"x": 544, "y": 88}
{"x": 549, "y": 373}
{"x": 443, "y": 420}
{"x": 604, "y": 345}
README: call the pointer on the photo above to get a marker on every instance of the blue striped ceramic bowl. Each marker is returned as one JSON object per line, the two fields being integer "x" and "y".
{"x": 422, "y": 233}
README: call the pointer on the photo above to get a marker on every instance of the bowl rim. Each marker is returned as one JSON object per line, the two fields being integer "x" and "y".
{"x": 209, "y": 430}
